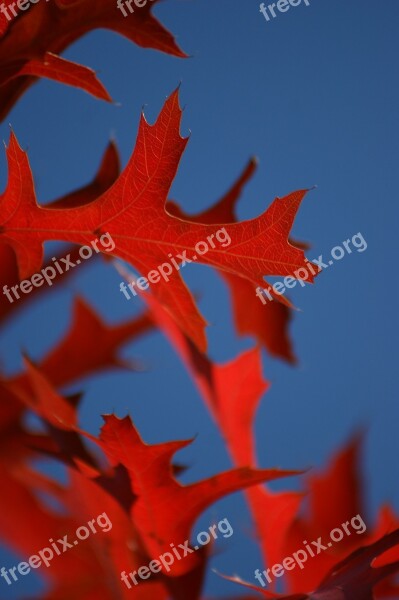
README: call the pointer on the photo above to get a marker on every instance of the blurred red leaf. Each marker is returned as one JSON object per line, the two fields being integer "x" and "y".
{"x": 88, "y": 347}
{"x": 352, "y": 579}
{"x": 341, "y": 483}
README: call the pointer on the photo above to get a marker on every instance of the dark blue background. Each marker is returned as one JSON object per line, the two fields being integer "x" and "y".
{"x": 314, "y": 94}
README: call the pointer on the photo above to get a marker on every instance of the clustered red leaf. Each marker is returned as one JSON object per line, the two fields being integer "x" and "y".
{"x": 137, "y": 483}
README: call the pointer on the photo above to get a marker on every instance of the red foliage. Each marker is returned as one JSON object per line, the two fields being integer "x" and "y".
{"x": 135, "y": 483}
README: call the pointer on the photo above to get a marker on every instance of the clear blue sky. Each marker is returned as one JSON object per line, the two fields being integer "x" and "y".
{"x": 314, "y": 95}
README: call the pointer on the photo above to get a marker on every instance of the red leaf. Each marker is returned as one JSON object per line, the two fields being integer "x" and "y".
{"x": 159, "y": 496}
{"x": 133, "y": 213}
{"x": 90, "y": 346}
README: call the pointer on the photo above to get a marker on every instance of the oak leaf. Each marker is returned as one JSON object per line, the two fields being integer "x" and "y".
{"x": 133, "y": 212}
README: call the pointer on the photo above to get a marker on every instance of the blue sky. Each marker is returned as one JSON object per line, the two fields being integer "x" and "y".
{"x": 314, "y": 95}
